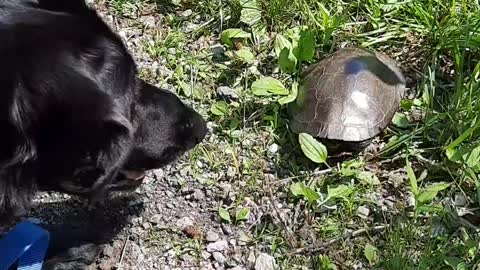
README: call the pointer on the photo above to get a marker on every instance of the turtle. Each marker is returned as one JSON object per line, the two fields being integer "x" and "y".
{"x": 348, "y": 98}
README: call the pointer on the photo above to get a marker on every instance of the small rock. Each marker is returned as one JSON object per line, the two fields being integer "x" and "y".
{"x": 219, "y": 257}
{"x": 108, "y": 251}
{"x": 265, "y": 262}
{"x": 273, "y": 148}
{"x": 243, "y": 238}
{"x": 227, "y": 92}
{"x": 206, "y": 255}
{"x": 251, "y": 259}
{"x": 148, "y": 21}
{"x": 363, "y": 212}
{"x": 164, "y": 71}
{"x": 212, "y": 236}
{"x": 218, "y": 49}
{"x": 410, "y": 199}
{"x": 198, "y": 195}
{"x": 186, "y": 13}
{"x": 190, "y": 27}
{"x": 171, "y": 51}
{"x": 217, "y": 246}
{"x": 227, "y": 230}
{"x": 184, "y": 222}
{"x": 192, "y": 232}
{"x": 460, "y": 200}
{"x": 159, "y": 174}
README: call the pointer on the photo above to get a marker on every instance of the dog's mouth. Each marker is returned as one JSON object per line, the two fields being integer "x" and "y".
{"x": 128, "y": 180}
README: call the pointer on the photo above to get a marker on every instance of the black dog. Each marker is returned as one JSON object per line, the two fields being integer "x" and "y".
{"x": 74, "y": 116}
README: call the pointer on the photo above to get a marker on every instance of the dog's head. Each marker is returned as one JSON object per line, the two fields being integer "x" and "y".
{"x": 166, "y": 128}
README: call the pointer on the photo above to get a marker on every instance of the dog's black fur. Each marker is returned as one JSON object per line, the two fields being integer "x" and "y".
{"x": 72, "y": 106}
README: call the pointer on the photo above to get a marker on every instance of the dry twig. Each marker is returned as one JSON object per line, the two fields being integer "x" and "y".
{"x": 318, "y": 247}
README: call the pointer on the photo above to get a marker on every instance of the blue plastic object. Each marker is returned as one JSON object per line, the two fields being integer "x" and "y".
{"x": 25, "y": 245}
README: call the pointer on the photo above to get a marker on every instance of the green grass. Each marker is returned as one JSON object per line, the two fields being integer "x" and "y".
{"x": 437, "y": 44}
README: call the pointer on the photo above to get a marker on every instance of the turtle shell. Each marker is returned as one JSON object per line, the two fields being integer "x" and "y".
{"x": 351, "y": 95}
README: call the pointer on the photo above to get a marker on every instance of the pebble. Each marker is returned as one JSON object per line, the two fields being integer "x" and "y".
{"x": 219, "y": 257}
{"x": 218, "y": 49}
{"x": 251, "y": 258}
{"x": 108, "y": 251}
{"x": 186, "y": 13}
{"x": 212, "y": 236}
{"x": 217, "y": 246}
{"x": 265, "y": 262}
{"x": 273, "y": 149}
{"x": 460, "y": 200}
{"x": 227, "y": 92}
{"x": 198, "y": 195}
{"x": 206, "y": 255}
{"x": 363, "y": 212}
{"x": 184, "y": 222}
{"x": 243, "y": 238}
{"x": 160, "y": 173}
{"x": 171, "y": 51}
{"x": 148, "y": 21}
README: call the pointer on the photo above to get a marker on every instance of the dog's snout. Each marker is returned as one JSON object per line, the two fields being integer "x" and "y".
{"x": 199, "y": 128}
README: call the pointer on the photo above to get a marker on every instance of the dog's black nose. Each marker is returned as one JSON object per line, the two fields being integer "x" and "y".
{"x": 199, "y": 128}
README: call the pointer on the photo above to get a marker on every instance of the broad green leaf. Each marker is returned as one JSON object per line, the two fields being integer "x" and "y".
{"x": 306, "y": 46}
{"x": 351, "y": 167}
{"x": 430, "y": 192}
{"x": 223, "y": 213}
{"x": 268, "y": 86}
{"x": 287, "y": 61}
{"x": 429, "y": 208}
{"x": 313, "y": 149}
{"x": 412, "y": 178}
{"x": 339, "y": 192}
{"x": 245, "y": 55}
{"x": 233, "y": 33}
{"x": 291, "y": 97}
{"x": 326, "y": 263}
{"x": 468, "y": 154}
{"x": 219, "y": 108}
{"x": 456, "y": 154}
{"x": 234, "y": 123}
{"x": 400, "y": 120}
{"x": 251, "y": 13}
{"x": 370, "y": 253}
{"x": 310, "y": 194}
{"x": 368, "y": 178}
{"x": 294, "y": 35}
{"x": 473, "y": 158}
{"x": 417, "y": 102}
{"x": 186, "y": 88}
{"x": 281, "y": 43}
{"x": 456, "y": 263}
{"x": 242, "y": 214}
{"x": 297, "y": 189}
